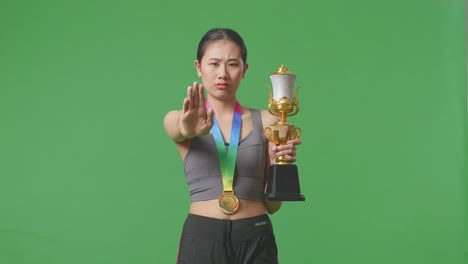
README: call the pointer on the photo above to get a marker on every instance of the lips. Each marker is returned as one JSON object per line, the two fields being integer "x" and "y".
{"x": 222, "y": 85}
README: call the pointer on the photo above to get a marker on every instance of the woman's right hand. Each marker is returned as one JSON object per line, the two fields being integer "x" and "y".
{"x": 195, "y": 119}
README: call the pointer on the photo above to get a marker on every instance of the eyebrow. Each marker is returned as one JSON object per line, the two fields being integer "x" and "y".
{"x": 218, "y": 59}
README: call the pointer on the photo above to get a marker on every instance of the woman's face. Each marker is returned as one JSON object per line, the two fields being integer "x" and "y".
{"x": 221, "y": 68}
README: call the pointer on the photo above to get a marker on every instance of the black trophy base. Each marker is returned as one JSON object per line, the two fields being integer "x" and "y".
{"x": 283, "y": 183}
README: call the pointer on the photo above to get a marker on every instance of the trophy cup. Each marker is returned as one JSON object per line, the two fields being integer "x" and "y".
{"x": 283, "y": 178}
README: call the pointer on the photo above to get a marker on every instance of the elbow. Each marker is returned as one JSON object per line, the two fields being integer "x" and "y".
{"x": 271, "y": 211}
{"x": 272, "y": 207}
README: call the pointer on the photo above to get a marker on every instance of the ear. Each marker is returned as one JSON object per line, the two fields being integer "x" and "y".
{"x": 246, "y": 66}
{"x": 197, "y": 65}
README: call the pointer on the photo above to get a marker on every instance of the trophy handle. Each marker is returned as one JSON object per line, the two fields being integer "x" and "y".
{"x": 270, "y": 101}
{"x": 297, "y": 132}
{"x": 268, "y": 134}
{"x": 295, "y": 101}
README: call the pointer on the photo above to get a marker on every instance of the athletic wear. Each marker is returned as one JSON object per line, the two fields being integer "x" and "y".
{"x": 203, "y": 172}
{"x": 214, "y": 241}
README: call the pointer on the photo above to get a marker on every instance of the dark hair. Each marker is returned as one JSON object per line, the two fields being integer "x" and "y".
{"x": 219, "y": 34}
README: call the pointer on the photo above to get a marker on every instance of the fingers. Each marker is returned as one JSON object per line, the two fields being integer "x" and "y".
{"x": 290, "y": 145}
{"x": 201, "y": 95}
{"x": 294, "y": 141}
{"x": 209, "y": 117}
{"x": 291, "y": 158}
{"x": 185, "y": 105}
{"x": 195, "y": 95}
{"x": 288, "y": 150}
{"x": 189, "y": 97}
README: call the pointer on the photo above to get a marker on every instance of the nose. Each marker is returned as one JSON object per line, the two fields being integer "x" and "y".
{"x": 222, "y": 72}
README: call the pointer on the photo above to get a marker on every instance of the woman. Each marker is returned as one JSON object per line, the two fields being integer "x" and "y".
{"x": 226, "y": 158}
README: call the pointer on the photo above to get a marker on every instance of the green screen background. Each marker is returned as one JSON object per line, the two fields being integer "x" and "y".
{"x": 88, "y": 175}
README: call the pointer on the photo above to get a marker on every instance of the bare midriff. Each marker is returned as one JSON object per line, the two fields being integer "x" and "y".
{"x": 210, "y": 208}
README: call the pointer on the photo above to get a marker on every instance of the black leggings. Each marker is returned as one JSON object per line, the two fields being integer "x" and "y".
{"x": 214, "y": 241}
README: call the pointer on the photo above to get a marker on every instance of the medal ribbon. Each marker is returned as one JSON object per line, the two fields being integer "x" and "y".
{"x": 227, "y": 158}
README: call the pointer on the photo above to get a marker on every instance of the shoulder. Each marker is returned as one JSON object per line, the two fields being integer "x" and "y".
{"x": 268, "y": 119}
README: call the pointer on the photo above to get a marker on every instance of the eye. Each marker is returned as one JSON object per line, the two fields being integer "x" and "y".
{"x": 213, "y": 63}
{"x": 233, "y": 65}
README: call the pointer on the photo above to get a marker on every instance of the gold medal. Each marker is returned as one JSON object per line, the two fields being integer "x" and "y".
{"x": 228, "y": 203}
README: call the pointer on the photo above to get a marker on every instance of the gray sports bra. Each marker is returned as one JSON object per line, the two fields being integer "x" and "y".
{"x": 203, "y": 172}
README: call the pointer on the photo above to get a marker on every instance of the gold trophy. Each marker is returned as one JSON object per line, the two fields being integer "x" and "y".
{"x": 283, "y": 178}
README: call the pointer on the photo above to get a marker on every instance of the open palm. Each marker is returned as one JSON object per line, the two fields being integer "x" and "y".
{"x": 195, "y": 119}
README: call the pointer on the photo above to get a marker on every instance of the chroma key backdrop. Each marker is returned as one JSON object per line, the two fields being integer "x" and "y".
{"x": 88, "y": 175}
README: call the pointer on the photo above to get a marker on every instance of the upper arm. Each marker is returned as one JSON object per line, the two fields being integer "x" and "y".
{"x": 268, "y": 119}
{"x": 270, "y": 206}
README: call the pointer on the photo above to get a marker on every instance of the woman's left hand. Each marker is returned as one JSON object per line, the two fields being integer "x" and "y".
{"x": 288, "y": 150}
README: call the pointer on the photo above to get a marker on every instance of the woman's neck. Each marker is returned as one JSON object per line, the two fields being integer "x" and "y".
{"x": 222, "y": 107}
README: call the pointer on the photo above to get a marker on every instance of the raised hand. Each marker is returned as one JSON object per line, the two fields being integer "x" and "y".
{"x": 195, "y": 119}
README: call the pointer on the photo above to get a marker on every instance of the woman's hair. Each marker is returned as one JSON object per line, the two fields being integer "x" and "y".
{"x": 220, "y": 34}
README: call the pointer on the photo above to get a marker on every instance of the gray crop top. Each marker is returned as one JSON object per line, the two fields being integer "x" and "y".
{"x": 203, "y": 172}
